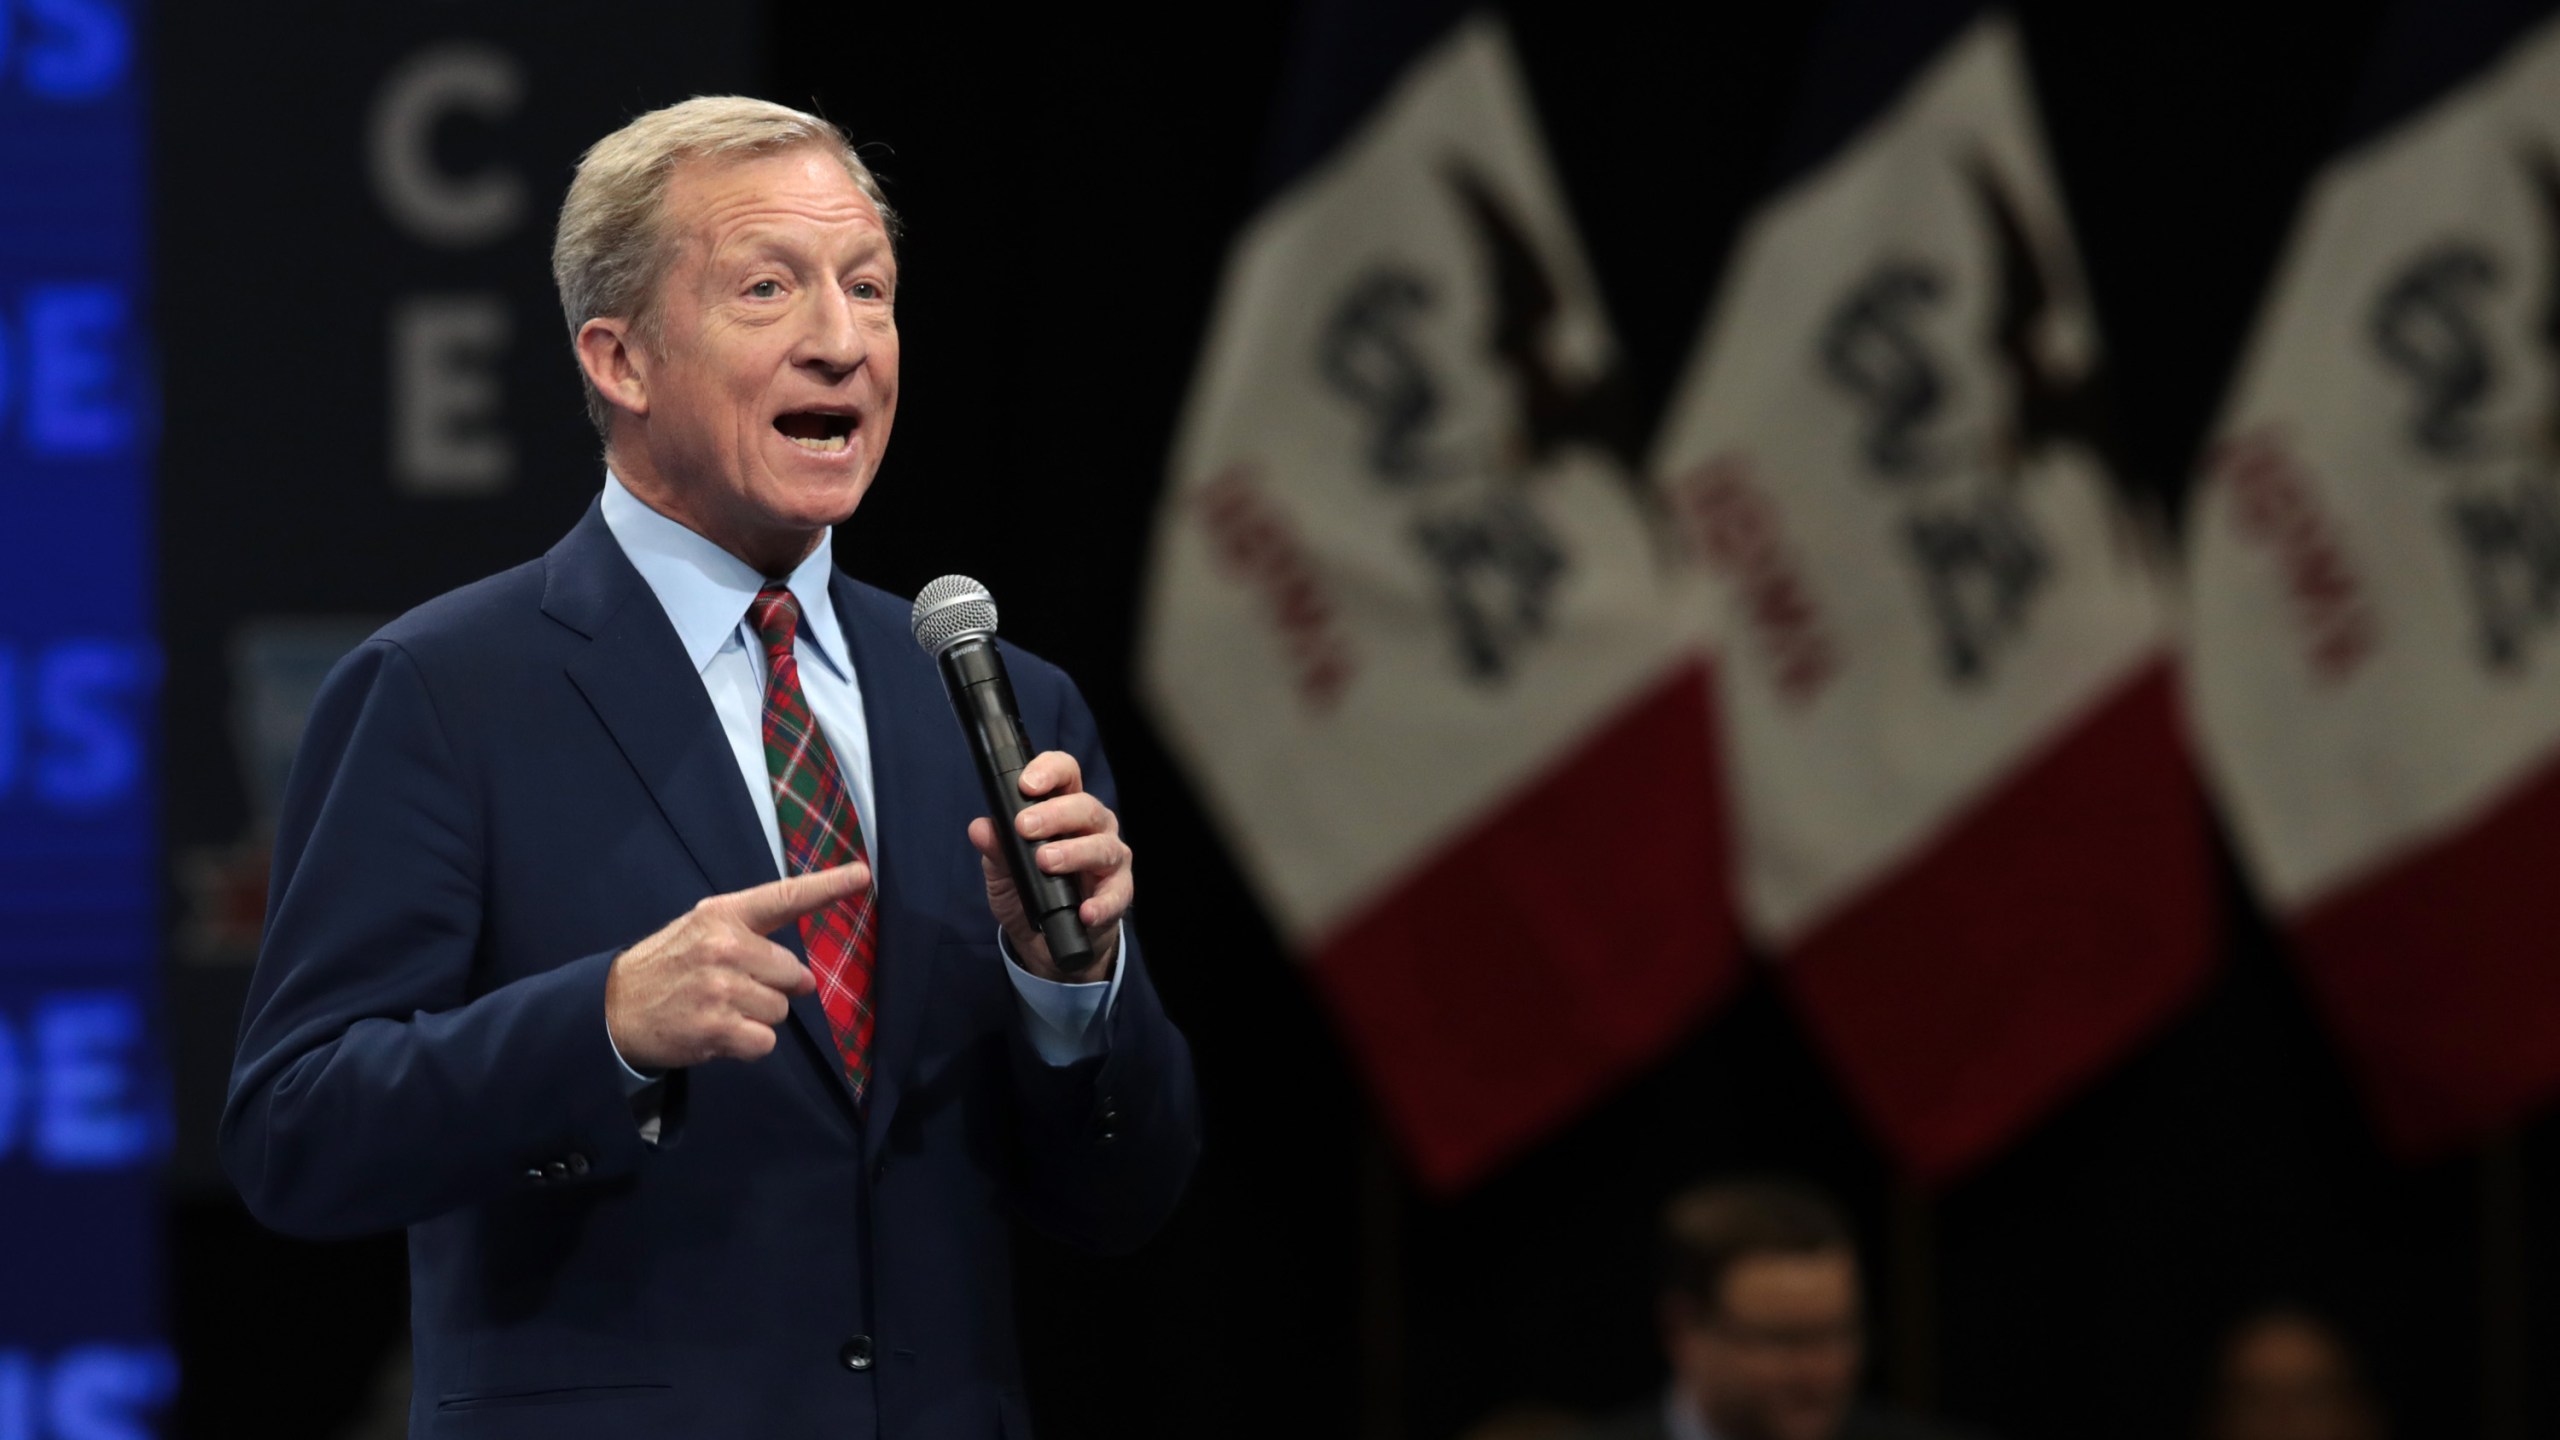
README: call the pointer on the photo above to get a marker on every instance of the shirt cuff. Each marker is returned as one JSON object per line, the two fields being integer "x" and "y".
{"x": 643, "y": 1092}
{"x": 1065, "y": 1021}
{"x": 633, "y": 1082}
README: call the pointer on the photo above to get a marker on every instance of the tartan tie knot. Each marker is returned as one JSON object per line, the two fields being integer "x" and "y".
{"x": 776, "y": 616}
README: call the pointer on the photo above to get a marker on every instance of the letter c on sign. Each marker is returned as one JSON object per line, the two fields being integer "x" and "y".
{"x": 430, "y": 203}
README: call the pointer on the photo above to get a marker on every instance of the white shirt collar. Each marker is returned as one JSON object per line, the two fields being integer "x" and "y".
{"x": 1681, "y": 1417}
{"x": 705, "y": 590}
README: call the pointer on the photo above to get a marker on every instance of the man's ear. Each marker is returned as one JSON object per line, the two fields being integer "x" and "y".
{"x": 614, "y": 364}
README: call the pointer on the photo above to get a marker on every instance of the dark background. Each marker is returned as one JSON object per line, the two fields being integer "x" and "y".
{"x": 1070, "y": 184}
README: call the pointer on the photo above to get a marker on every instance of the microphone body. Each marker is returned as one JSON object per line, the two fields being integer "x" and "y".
{"x": 973, "y": 676}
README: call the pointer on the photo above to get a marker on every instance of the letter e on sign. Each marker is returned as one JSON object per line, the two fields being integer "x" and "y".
{"x": 90, "y": 1112}
{"x": 445, "y": 395}
{"x": 79, "y": 397}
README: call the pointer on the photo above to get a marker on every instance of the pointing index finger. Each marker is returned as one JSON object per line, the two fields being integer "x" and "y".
{"x": 776, "y": 903}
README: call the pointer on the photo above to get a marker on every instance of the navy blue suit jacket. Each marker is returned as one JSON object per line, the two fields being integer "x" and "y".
{"x": 494, "y": 796}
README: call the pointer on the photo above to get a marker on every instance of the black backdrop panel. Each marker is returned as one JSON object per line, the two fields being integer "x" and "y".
{"x": 369, "y": 392}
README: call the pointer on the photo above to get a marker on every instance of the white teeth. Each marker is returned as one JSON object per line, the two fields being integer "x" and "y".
{"x": 831, "y": 442}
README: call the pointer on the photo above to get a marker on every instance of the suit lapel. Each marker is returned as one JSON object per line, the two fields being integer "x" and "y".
{"x": 901, "y": 702}
{"x": 635, "y": 674}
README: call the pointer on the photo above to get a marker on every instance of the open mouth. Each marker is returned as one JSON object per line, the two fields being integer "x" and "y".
{"x": 817, "y": 430}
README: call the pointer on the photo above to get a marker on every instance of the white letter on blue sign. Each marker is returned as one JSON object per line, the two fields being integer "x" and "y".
{"x": 107, "y": 1392}
{"x": 87, "y": 1046}
{"x": 88, "y": 704}
{"x": 81, "y": 48}
{"x": 75, "y": 336}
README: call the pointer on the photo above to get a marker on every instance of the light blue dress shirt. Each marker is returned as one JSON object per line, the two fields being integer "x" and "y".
{"x": 705, "y": 591}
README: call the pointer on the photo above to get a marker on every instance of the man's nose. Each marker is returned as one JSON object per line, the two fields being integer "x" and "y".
{"x": 832, "y": 340}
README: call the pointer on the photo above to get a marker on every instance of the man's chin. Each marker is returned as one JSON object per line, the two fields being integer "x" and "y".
{"x": 816, "y": 504}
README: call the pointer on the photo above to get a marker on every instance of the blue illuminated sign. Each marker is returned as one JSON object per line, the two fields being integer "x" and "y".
{"x": 73, "y": 1092}
{"x": 92, "y": 1392}
{"x": 83, "y": 1105}
{"x": 71, "y": 724}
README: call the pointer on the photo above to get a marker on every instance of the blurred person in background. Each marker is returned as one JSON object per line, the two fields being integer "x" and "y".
{"x": 2285, "y": 1373}
{"x": 1762, "y": 1321}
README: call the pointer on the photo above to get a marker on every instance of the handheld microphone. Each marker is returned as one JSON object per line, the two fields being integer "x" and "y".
{"x": 955, "y": 622}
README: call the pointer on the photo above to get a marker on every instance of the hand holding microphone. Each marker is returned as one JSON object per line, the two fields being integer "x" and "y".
{"x": 1057, "y": 871}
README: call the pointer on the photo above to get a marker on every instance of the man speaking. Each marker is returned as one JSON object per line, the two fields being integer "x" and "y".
{"x": 637, "y": 939}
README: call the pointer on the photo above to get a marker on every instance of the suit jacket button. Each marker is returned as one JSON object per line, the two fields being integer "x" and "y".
{"x": 856, "y": 1354}
{"x": 533, "y": 1175}
{"x": 578, "y": 1164}
{"x": 554, "y": 1170}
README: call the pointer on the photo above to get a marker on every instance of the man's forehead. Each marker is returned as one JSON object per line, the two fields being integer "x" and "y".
{"x": 723, "y": 202}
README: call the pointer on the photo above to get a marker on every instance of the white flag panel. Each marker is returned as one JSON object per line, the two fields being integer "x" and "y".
{"x": 1398, "y": 572}
{"x": 2376, "y": 540}
{"x": 1884, "y": 457}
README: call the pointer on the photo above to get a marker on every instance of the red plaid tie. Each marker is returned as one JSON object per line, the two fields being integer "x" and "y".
{"x": 819, "y": 832}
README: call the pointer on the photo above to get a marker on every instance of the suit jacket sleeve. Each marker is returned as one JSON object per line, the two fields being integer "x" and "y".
{"x": 373, "y": 1087}
{"x": 1109, "y": 1142}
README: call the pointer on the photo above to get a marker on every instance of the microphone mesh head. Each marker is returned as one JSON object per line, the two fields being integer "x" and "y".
{"x": 950, "y": 609}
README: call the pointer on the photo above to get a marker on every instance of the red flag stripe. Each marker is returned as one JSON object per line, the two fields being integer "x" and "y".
{"x": 2054, "y": 924}
{"x": 2437, "y": 971}
{"x": 1561, "y": 943}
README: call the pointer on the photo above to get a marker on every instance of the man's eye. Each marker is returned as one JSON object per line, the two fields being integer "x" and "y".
{"x": 865, "y": 290}
{"x": 765, "y": 289}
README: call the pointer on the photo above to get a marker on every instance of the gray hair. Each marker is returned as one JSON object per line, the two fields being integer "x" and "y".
{"x": 610, "y": 254}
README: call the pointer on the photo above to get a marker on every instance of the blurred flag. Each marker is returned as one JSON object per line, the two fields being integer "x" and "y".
{"x": 1407, "y": 625}
{"x": 1964, "y": 821}
{"x": 2376, "y": 578}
